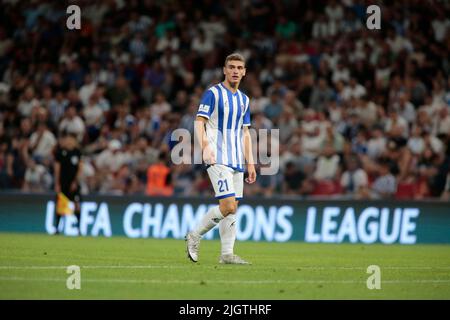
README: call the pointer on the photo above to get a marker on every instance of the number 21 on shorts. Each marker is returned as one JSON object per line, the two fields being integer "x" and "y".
{"x": 222, "y": 184}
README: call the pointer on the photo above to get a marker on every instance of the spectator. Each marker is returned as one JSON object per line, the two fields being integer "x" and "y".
{"x": 396, "y": 126}
{"x": 168, "y": 40}
{"x": 87, "y": 89}
{"x": 333, "y": 139}
{"x": 159, "y": 178}
{"x": 405, "y": 108}
{"x": 274, "y": 108}
{"x": 160, "y": 107}
{"x": 56, "y": 107}
{"x": 443, "y": 124}
{"x": 354, "y": 90}
{"x": 285, "y": 28}
{"x": 265, "y": 186}
{"x": 42, "y": 142}
{"x": 183, "y": 176}
{"x": 111, "y": 159}
{"x": 287, "y": 124}
{"x": 260, "y": 121}
{"x": 293, "y": 179}
{"x": 27, "y": 102}
{"x": 258, "y": 101}
{"x": 416, "y": 143}
{"x": 37, "y": 178}
{"x": 440, "y": 169}
{"x": 367, "y": 111}
{"x": 72, "y": 123}
{"x": 385, "y": 185}
{"x": 441, "y": 26}
{"x": 93, "y": 115}
{"x": 120, "y": 92}
{"x": 138, "y": 48}
{"x": 201, "y": 44}
{"x": 354, "y": 180}
{"x": 321, "y": 95}
{"x": 341, "y": 73}
{"x": 327, "y": 165}
{"x": 359, "y": 143}
{"x": 294, "y": 155}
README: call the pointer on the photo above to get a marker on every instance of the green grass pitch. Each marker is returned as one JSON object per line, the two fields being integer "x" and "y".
{"x": 33, "y": 266}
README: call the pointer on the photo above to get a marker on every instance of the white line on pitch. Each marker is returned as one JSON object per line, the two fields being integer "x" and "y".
{"x": 238, "y": 282}
{"x": 214, "y": 266}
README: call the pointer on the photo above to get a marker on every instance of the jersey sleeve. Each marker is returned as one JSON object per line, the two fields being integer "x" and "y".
{"x": 206, "y": 106}
{"x": 247, "y": 116}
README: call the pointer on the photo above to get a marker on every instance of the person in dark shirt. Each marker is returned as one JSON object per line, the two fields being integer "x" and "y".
{"x": 293, "y": 179}
{"x": 67, "y": 169}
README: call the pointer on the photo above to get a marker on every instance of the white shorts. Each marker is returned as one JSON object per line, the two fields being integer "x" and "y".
{"x": 226, "y": 181}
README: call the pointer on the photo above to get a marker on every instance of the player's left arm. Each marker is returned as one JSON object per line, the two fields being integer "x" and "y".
{"x": 249, "y": 156}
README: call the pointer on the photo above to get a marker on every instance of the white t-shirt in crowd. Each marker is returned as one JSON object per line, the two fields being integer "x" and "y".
{"x": 359, "y": 178}
{"x": 43, "y": 146}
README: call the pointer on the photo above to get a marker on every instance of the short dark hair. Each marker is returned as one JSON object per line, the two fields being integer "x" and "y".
{"x": 235, "y": 57}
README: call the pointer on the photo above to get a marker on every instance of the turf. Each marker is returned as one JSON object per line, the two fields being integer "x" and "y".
{"x": 33, "y": 266}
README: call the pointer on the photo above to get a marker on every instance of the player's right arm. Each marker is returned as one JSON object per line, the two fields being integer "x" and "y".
{"x": 204, "y": 112}
{"x": 202, "y": 140}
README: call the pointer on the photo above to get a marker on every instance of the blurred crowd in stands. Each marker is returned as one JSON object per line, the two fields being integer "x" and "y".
{"x": 362, "y": 113}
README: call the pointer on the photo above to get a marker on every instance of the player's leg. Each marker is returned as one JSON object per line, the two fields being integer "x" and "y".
{"x": 57, "y": 216}
{"x": 75, "y": 197}
{"x": 65, "y": 190}
{"x": 77, "y": 203}
{"x": 214, "y": 215}
{"x": 222, "y": 180}
{"x": 227, "y": 227}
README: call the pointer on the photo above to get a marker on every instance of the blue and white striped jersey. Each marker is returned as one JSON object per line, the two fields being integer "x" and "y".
{"x": 227, "y": 113}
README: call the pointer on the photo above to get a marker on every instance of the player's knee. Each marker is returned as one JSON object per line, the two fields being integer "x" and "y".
{"x": 228, "y": 208}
